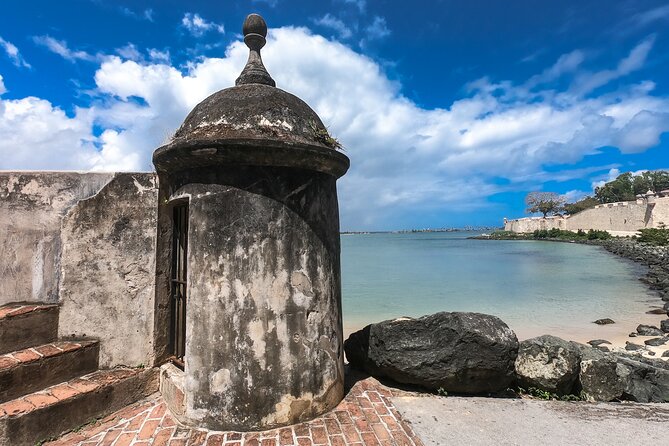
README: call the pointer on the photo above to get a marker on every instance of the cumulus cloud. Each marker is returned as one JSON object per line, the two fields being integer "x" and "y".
{"x": 61, "y": 48}
{"x": 198, "y": 26}
{"x": 332, "y": 22}
{"x": 3, "y": 90}
{"x": 405, "y": 158}
{"x": 13, "y": 53}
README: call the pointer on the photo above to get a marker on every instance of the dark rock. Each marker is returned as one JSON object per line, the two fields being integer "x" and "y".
{"x": 598, "y": 376}
{"x": 656, "y": 342}
{"x": 645, "y": 380}
{"x": 605, "y": 321}
{"x": 633, "y": 347}
{"x": 651, "y": 353}
{"x": 665, "y": 354}
{"x": 649, "y": 330}
{"x": 598, "y": 342}
{"x": 458, "y": 352}
{"x": 633, "y": 335}
{"x": 657, "y": 311}
{"x": 664, "y": 325}
{"x": 548, "y": 363}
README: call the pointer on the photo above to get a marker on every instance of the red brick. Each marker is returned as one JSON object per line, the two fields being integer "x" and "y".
{"x": 40, "y": 399}
{"x": 23, "y": 309}
{"x": 168, "y": 421}
{"x": 66, "y": 346}
{"x": 268, "y": 442}
{"x": 16, "y": 407}
{"x": 216, "y": 440}
{"x": 197, "y": 438}
{"x": 381, "y": 409}
{"x": 332, "y": 427}
{"x": 381, "y": 431}
{"x": 371, "y": 416}
{"x": 235, "y": 443}
{"x": 48, "y": 350}
{"x": 350, "y": 433}
{"x": 344, "y": 417}
{"x": 158, "y": 411}
{"x": 136, "y": 423}
{"x": 233, "y": 436}
{"x": 83, "y": 386}
{"x": 374, "y": 397}
{"x": 4, "y": 311}
{"x": 147, "y": 430}
{"x": 110, "y": 437}
{"x": 285, "y": 437}
{"x": 337, "y": 441}
{"x": 162, "y": 437}
{"x": 62, "y": 391}
{"x": 362, "y": 425}
{"x": 26, "y": 355}
{"x": 7, "y": 362}
{"x": 369, "y": 439}
{"x": 303, "y": 441}
{"x": 130, "y": 411}
{"x": 125, "y": 439}
{"x": 178, "y": 442}
{"x": 301, "y": 430}
{"x": 318, "y": 435}
{"x": 391, "y": 423}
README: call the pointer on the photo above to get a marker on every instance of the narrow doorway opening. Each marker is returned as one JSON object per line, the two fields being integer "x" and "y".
{"x": 178, "y": 282}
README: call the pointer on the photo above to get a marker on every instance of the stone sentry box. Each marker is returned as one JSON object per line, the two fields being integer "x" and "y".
{"x": 258, "y": 170}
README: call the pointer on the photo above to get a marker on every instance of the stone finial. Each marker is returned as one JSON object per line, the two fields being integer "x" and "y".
{"x": 255, "y": 31}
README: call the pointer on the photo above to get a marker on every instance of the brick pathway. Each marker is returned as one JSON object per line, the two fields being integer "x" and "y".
{"x": 365, "y": 417}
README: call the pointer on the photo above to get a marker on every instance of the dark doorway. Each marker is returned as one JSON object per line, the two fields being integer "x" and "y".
{"x": 178, "y": 282}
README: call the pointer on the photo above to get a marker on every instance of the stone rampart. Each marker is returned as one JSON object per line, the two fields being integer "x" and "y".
{"x": 85, "y": 241}
{"x": 622, "y": 218}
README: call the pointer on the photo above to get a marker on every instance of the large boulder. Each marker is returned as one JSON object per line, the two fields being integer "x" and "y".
{"x": 468, "y": 353}
{"x": 645, "y": 380}
{"x": 598, "y": 375}
{"x": 548, "y": 363}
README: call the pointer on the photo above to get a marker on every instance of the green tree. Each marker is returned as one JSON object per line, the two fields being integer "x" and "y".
{"x": 544, "y": 202}
{"x": 653, "y": 180}
{"x": 580, "y": 205}
{"x": 620, "y": 189}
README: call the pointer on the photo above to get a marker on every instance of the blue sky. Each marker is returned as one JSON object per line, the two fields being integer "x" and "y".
{"x": 450, "y": 111}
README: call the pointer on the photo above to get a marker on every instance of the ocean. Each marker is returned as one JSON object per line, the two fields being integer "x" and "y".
{"x": 535, "y": 287}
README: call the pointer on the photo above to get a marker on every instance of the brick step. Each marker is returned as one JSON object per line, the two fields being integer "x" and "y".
{"x": 25, "y": 371}
{"x": 57, "y": 409}
{"x": 24, "y": 325}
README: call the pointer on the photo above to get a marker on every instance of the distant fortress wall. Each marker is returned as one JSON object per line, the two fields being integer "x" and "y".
{"x": 622, "y": 218}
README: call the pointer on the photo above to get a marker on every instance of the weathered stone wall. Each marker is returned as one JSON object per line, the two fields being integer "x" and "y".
{"x": 263, "y": 329}
{"x": 32, "y": 207}
{"x": 108, "y": 269}
{"x": 86, "y": 241}
{"x": 530, "y": 224}
{"x": 622, "y": 218}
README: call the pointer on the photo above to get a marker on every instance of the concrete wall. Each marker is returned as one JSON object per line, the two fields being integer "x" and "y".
{"x": 32, "y": 207}
{"x": 263, "y": 328}
{"x": 87, "y": 241}
{"x": 622, "y": 218}
{"x": 108, "y": 269}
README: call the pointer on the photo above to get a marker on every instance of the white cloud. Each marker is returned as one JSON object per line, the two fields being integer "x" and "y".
{"x": 330, "y": 21}
{"x": 3, "y": 90}
{"x": 656, "y": 14}
{"x": 60, "y": 47}
{"x": 13, "y": 53}
{"x": 159, "y": 56}
{"x": 130, "y": 52}
{"x": 198, "y": 26}
{"x": 378, "y": 29}
{"x": 405, "y": 159}
{"x": 147, "y": 14}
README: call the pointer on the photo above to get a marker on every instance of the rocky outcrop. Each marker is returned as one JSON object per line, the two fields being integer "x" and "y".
{"x": 468, "y": 353}
{"x": 649, "y": 330}
{"x": 548, "y": 363}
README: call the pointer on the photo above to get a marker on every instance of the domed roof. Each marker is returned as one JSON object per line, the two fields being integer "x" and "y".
{"x": 254, "y": 123}
{"x": 255, "y": 111}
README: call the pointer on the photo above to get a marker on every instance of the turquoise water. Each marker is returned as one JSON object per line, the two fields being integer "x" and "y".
{"x": 535, "y": 287}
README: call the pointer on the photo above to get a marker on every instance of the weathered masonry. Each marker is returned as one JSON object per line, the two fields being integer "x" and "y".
{"x": 222, "y": 270}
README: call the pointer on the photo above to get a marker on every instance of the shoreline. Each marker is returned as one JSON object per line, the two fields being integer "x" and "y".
{"x": 655, "y": 276}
